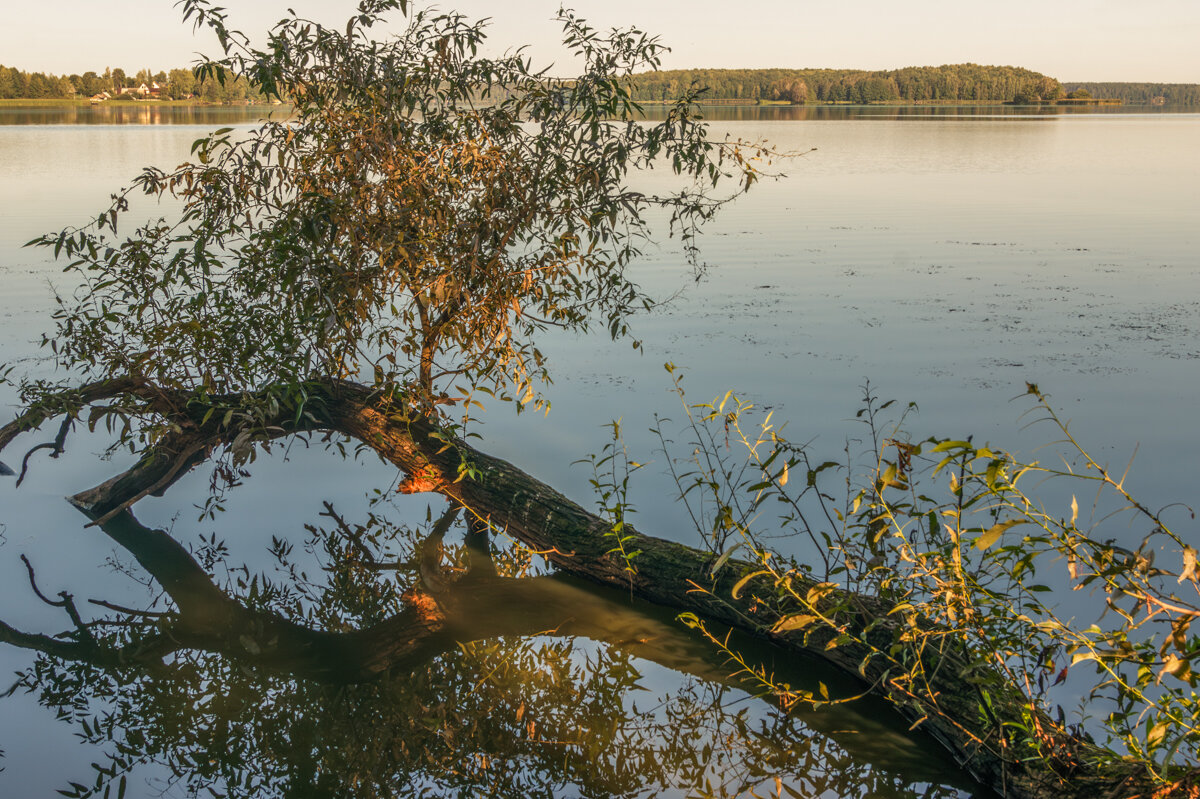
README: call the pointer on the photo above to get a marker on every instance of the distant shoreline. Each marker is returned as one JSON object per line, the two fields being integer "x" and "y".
{"x": 734, "y": 103}
{"x": 66, "y": 102}
{"x": 714, "y": 102}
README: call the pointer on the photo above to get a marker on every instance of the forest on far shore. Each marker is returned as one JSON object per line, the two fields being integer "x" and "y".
{"x": 945, "y": 84}
{"x": 177, "y": 84}
{"x": 968, "y": 83}
{"x": 1187, "y": 94}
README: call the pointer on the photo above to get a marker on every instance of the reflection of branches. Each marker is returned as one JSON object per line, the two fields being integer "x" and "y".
{"x": 505, "y": 715}
{"x": 206, "y": 618}
{"x": 55, "y": 447}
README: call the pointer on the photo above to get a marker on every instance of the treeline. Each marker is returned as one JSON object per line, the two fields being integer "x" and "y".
{"x": 950, "y": 83}
{"x": 178, "y": 84}
{"x": 33, "y": 85}
{"x": 947, "y": 84}
{"x": 1185, "y": 94}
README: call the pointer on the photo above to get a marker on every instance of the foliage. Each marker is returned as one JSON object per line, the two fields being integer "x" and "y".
{"x": 970, "y": 569}
{"x": 424, "y": 213}
{"x": 15, "y": 83}
{"x": 722, "y": 487}
{"x": 611, "y": 472}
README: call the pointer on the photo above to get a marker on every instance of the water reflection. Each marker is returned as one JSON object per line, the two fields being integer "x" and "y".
{"x": 216, "y": 115}
{"x": 825, "y": 113}
{"x": 140, "y": 114}
{"x": 331, "y": 674}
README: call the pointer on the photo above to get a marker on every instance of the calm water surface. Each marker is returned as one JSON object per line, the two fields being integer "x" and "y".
{"x": 948, "y": 256}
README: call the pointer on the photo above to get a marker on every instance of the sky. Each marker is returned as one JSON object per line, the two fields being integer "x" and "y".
{"x": 1072, "y": 40}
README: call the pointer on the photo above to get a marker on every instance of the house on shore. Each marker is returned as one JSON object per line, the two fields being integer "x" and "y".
{"x": 141, "y": 91}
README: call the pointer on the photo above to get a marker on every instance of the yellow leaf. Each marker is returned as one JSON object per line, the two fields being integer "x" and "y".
{"x": 1074, "y": 510}
{"x": 993, "y": 535}
{"x": 797, "y": 622}
{"x": 1155, "y": 736}
{"x": 1189, "y": 565}
{"x": 737, "y": 589}
{"x": 783, "y": 477}
{"x": 990, "y": 537}
{"x": 819, "y": 592}
{"x": 1176, "y": 667}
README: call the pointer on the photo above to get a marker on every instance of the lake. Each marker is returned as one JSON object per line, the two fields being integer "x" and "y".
{"x": 947, "y": 256}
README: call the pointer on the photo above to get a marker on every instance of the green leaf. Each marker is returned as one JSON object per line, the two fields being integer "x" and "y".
{"x": 721, "y": 561}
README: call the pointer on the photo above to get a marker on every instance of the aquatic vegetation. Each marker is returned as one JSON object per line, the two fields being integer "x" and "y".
{"x": 940, "y": 572}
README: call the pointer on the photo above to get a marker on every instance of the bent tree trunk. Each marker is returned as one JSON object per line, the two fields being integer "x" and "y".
{"x": 579, "y": 542}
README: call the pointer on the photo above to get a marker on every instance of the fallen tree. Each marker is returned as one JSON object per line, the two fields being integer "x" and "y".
{"x": 854, "y": 631}
{"x": 420, "y": 219}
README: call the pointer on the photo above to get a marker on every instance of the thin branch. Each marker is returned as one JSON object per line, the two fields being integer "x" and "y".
{"x": 150, "y": 614}
{"x": 352, "y": 535}
{"x": 65, "y": 401}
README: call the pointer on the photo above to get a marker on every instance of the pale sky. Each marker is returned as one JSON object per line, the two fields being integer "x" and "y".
{"x": 1072, "y": 40}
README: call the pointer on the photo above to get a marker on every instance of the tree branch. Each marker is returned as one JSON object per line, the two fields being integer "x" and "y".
{"x": 71, "y": 400}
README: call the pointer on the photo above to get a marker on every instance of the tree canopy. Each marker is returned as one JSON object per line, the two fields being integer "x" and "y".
{"x": 421, "y": 216}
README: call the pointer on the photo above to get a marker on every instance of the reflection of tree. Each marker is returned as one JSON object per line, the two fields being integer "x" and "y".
{"x": 233, "y": 686}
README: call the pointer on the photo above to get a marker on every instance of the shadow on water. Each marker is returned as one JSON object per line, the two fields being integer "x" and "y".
{"x": 377, "y": 660}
